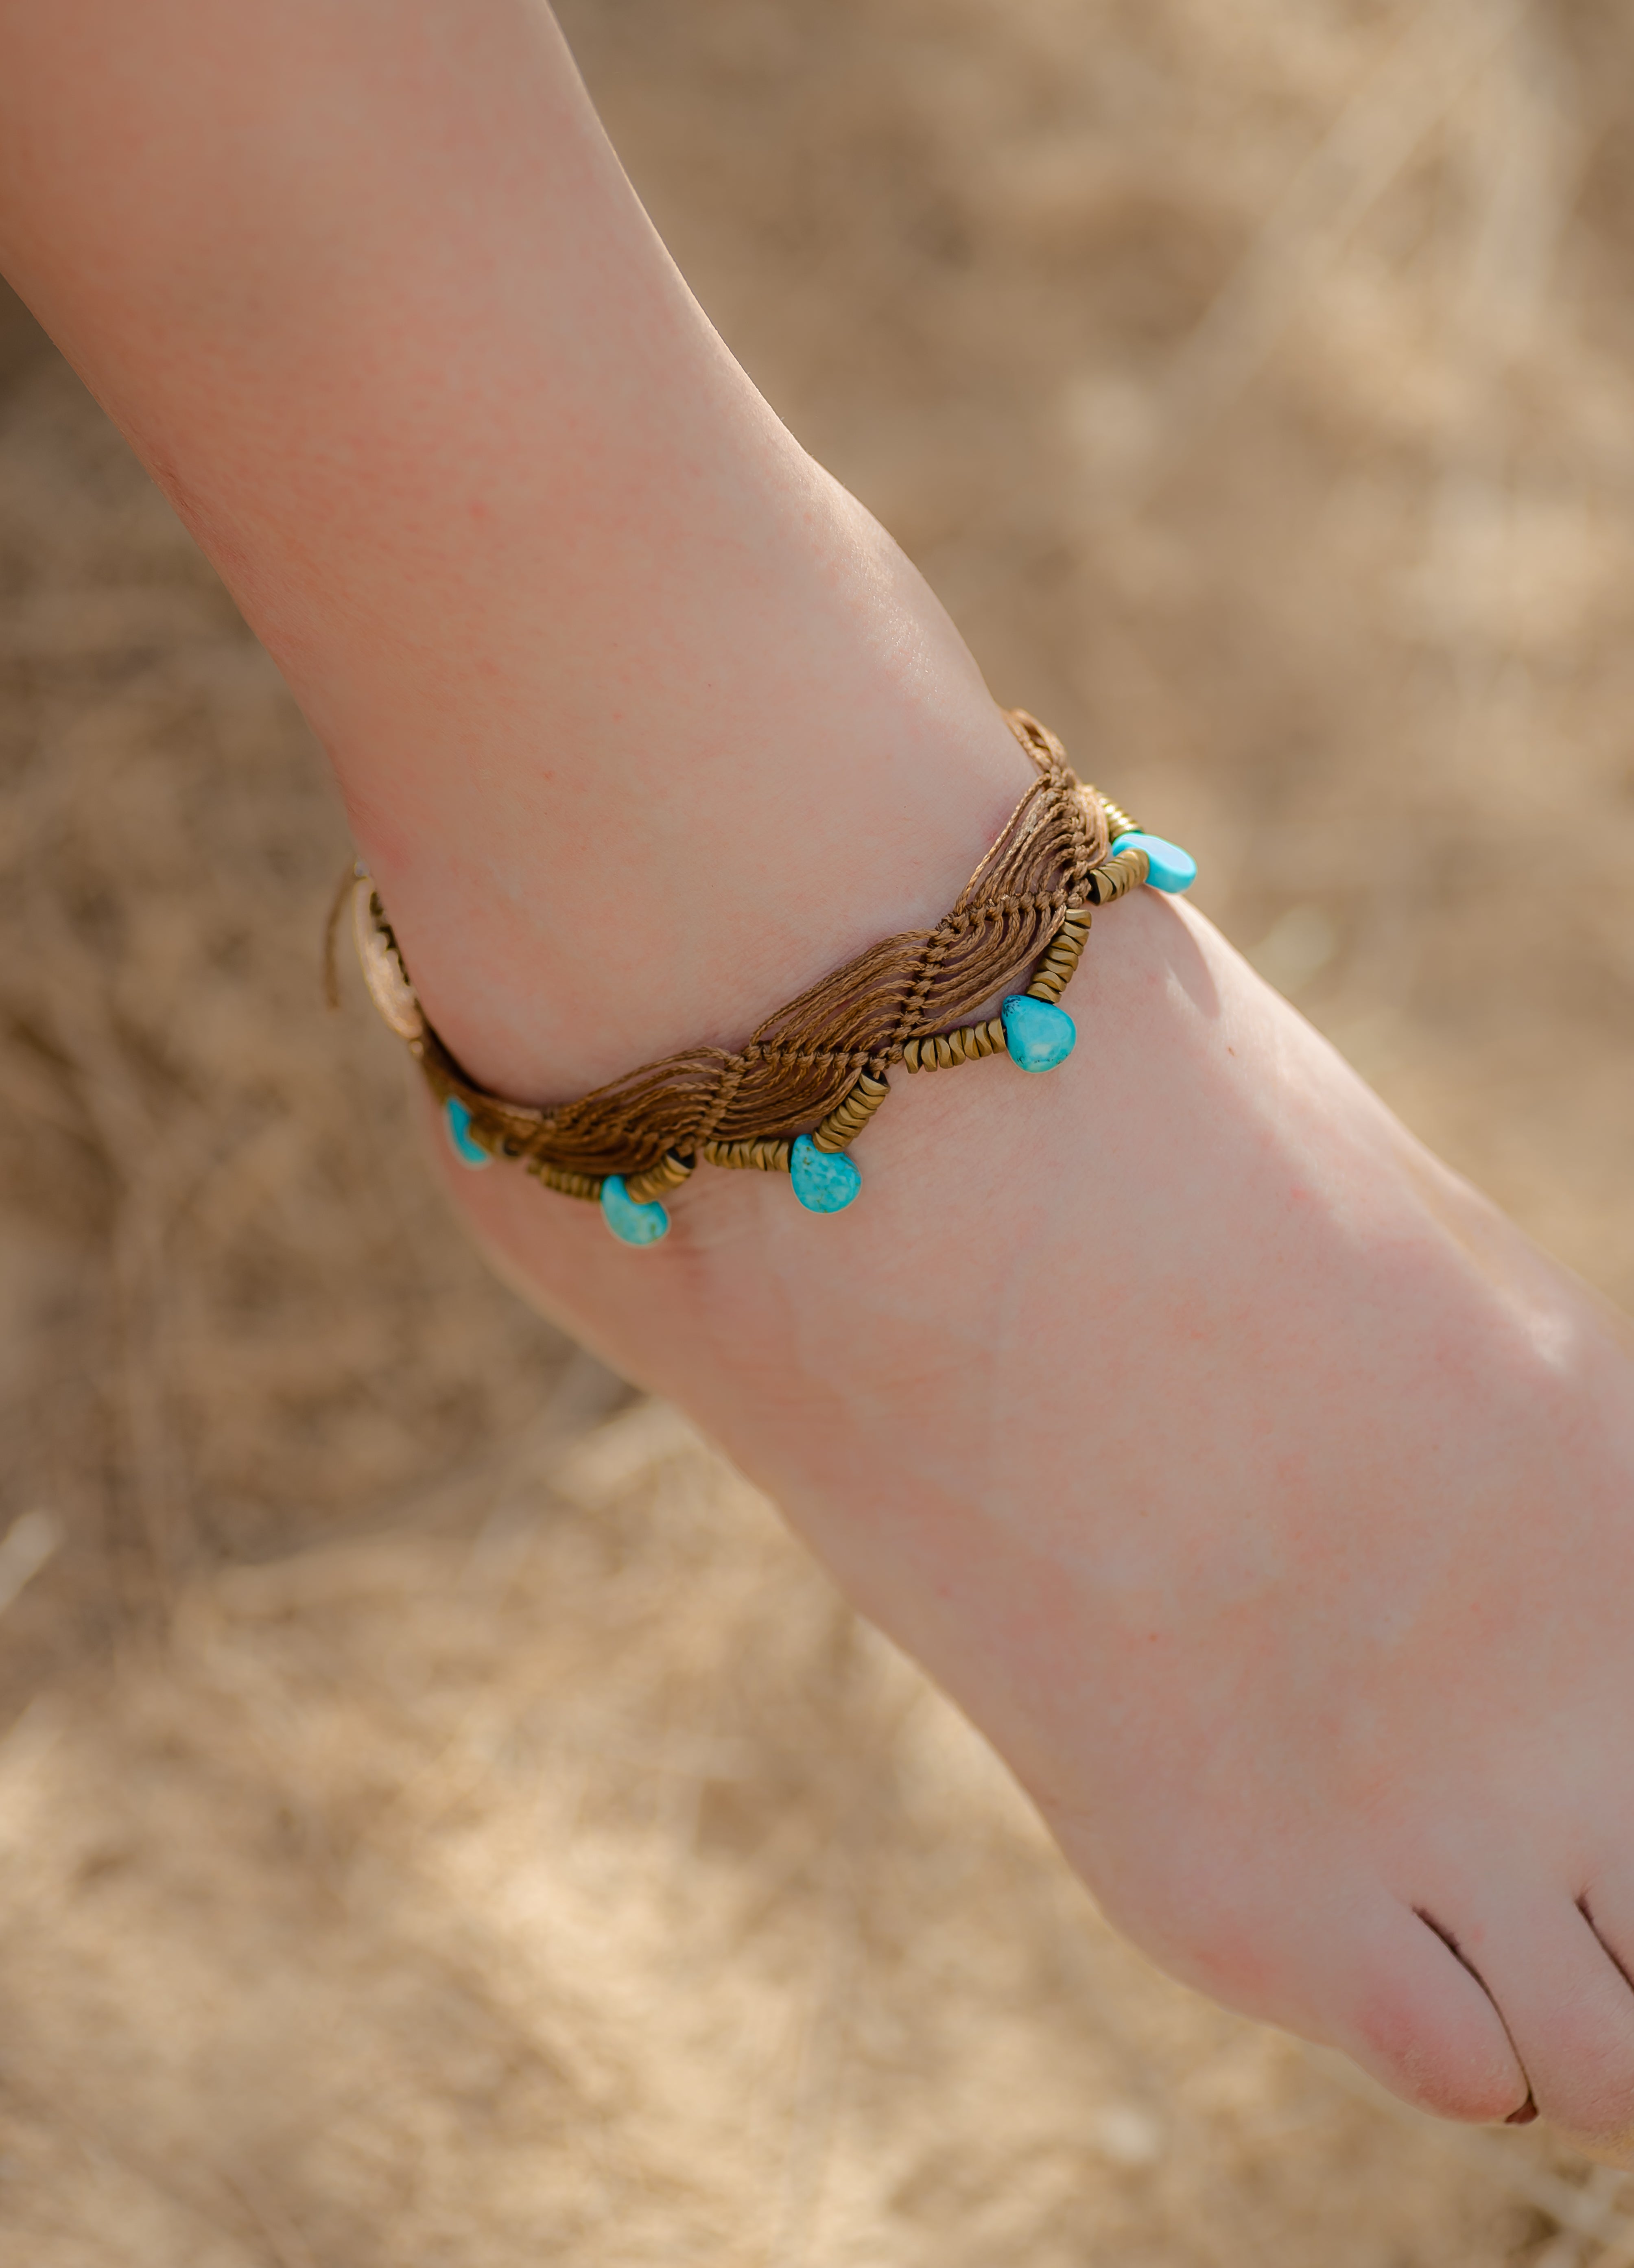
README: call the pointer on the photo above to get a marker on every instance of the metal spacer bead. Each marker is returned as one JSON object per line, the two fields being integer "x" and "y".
{"x": 671, "y": 1170}
{"x": 851, "y": 1114}
{"x": 569, "y": 1184}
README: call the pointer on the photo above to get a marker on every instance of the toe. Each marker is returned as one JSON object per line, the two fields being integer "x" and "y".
{"x": 1421, "y": 2024}
{"x": 1569, "y": 2008}
{"x": 1607, "y": 1906}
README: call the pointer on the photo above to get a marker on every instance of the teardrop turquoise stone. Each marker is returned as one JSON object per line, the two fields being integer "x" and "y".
{"x": 1039, "y": 1035}
{"x": 1172, "y": 869}
{"x": 825, "y": 1181}
{"x": 463, "y": 1143}
{"x": 629, "y": 1222}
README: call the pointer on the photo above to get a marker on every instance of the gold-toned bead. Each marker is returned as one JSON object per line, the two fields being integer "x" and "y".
{"x": 566, "y": 1181}
{"x": 671, "y": 1170}
{"x": 852, "y": 1113}
{"x": 1126, "y": 870}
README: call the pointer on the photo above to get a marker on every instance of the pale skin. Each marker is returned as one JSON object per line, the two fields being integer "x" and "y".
{"x": 1263, "y": 1496}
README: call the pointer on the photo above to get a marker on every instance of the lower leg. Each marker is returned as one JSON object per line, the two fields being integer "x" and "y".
{"x": 641, "y": 720}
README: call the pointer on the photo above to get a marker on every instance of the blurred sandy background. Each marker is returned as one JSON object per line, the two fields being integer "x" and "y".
{"x": 442, "y": 1819}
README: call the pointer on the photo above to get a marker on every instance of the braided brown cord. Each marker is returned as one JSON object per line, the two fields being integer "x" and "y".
{"x": 821, "y": 1062}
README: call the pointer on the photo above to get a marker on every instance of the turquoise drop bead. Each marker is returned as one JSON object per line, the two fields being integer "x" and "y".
{"x": 466, "y": 1147}
{"x": 825, "y": 1181}
{"x": 1172, "y": 869}
{"x": 1039, "y": 1036}
{"x": 629, "y": 1222}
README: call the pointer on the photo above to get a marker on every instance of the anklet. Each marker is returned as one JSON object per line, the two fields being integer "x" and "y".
{"x": 821, "y": 1063}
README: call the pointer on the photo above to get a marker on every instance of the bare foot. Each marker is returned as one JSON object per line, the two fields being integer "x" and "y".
{"x": 1261, "y": 1494}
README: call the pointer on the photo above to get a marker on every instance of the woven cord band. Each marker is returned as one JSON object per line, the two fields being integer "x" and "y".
{"x": 821, "y": 1064}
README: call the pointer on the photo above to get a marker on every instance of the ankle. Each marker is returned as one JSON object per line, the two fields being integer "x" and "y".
{"x": 718, "y": 849}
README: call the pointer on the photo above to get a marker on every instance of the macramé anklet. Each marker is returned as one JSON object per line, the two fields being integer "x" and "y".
{"x": 821, "y": 1063}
